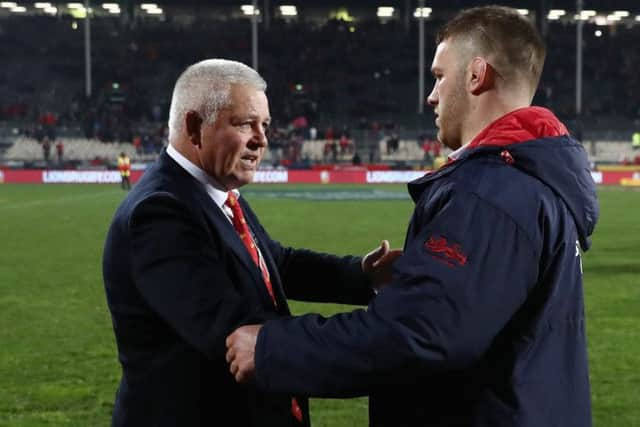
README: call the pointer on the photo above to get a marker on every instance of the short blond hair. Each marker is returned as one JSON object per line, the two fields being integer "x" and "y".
{"x": 515, "y": 45}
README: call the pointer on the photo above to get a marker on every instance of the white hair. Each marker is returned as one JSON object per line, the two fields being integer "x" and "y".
{"x": 204, "y": 87}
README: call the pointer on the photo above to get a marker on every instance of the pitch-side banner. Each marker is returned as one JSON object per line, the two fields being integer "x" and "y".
{"x": 267, "y": 177}
{"x": 80, "y": 177}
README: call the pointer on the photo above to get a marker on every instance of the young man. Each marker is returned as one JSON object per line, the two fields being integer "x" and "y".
{"x": 186, "y": 261}
{"x": 483, "y": 323}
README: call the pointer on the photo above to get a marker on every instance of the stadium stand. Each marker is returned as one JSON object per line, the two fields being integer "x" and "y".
{"x": 358, "y": 76}
{"x": 29, "y": 150}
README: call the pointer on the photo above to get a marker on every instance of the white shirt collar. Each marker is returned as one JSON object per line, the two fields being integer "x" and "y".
{"x": 454, "y": 155}
{"x": 213, "y": 188}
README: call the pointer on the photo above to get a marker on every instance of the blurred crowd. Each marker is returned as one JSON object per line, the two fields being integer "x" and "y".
{"x": 324, "y": 77}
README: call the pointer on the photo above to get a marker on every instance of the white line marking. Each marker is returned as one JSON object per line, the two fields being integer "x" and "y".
{"x": 41, "y": 202}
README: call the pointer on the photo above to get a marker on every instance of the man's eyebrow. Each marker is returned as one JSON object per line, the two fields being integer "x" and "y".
{"x": 244, "y": 116}
{"x": 250, "y": 116}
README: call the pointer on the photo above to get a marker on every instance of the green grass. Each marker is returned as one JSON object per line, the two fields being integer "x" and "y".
{"x": 612, "y": 277}
{"x": 58, "y": 363}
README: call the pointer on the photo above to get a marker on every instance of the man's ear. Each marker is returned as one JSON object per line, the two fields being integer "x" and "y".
{"x": 193, "y": 123}
{"x": 482, "y": 76}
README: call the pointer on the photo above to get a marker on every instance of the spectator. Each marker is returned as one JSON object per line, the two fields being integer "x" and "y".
{"x": 60, "y": 151}
{"x": 46, "y": 149}
{"x": 393, "y": 143}
{"x": 356, "y": 160}
{"x": 635, "y": 140}
{"x": 330, "y": 150}
{"x": 313, "y": 133}
{"x": 345, "y": 144}
{"x": 137, "y": 144}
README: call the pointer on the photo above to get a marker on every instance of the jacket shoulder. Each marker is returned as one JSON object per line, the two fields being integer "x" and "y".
{"x": 526, "y": 200}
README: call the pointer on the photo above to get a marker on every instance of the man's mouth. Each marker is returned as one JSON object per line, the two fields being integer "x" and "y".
{"x": 249, "y": 160}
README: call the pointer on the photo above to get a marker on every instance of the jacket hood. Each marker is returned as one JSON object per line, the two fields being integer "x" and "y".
{"x": 533, "y": 140}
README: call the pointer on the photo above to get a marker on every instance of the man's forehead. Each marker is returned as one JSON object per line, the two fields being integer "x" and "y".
{"x": 452, "y": 44}
{"x": 244, "y": 108}
{"x": 441, "y": 54}
{"x": 452, "y": 51}
{"x": 244, "y": 94}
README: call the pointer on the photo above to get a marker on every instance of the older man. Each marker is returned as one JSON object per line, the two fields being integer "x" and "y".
{"x": 186, "y": 261}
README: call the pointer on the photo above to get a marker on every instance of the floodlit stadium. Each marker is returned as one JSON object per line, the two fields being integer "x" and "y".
{"x": 81, "y": 83}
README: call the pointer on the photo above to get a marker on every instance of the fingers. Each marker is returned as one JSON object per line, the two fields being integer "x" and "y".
{"x": 382, "y": 253}
{"x": 234, "y": 363}
{"x": 241, "y": 376}
{"x": 229, "y": 342}
{"x": 383, "y": 249}
{"x": 241, "y": 352}
{"x": 378, "y": 252}
{"x": 371, "y": 260}
{"x": 231, "y": 354}
{"x": 241, "y": 370}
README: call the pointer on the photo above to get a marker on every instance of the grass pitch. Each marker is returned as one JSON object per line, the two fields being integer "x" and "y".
{"x": 58, "y": 363}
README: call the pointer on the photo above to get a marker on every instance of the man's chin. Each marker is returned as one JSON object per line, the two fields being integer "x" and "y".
{"x": 246, "y": 177}
{"x": 447, "y": 142}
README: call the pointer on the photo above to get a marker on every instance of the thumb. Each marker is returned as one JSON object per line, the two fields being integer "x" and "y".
{"x": 380, "y": 252}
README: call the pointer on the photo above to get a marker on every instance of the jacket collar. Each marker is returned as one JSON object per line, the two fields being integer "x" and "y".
{"x": 218, "y": 219}
{"x": 521, "y": 125}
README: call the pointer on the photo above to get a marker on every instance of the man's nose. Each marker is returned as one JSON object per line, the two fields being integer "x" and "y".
{"x": 260, "y": 136}
{"x": 432, "y": 99}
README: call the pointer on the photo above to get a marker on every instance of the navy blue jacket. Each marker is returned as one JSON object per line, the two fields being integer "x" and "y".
{"x": 483, "y": 324}
{"x": 178, "y": 281}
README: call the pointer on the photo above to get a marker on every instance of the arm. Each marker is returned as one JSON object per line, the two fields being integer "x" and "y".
{"x": 314, "y": 276}
{"x": 440, "y": 313}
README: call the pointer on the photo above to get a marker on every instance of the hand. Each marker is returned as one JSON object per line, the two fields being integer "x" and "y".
{"x": 241, "y": 349}
{"x": 377, "y": 263}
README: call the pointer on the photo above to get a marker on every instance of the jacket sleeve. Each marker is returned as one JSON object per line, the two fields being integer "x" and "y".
{"x": 178, "y": 270}
{"x": 466, "y": 269}
{"x": 318, "y": 277}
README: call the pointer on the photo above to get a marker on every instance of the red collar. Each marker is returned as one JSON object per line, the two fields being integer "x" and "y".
{"x": 520, "y": 125}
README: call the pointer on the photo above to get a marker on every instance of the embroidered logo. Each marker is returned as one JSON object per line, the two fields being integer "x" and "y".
{"x": 443, "y": 251}
{"x": 507, "y": 157}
